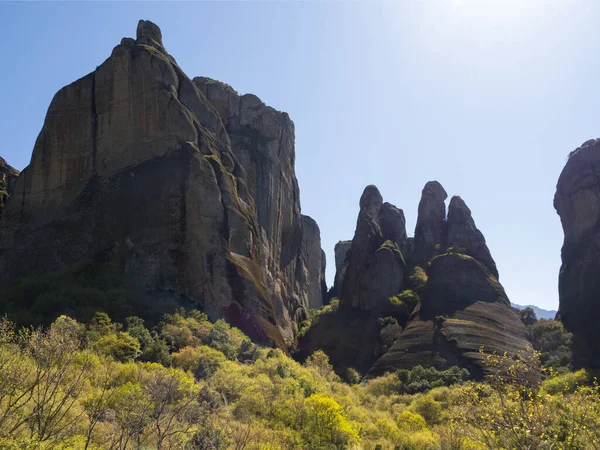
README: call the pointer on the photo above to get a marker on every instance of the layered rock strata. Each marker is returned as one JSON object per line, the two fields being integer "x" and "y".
{"x": 463, "y": 309}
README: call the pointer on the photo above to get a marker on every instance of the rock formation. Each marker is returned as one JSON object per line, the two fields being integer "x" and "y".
{"x": 375, "y": 264}
{"x": 187, "y": 186}
{"x": 577, "y": 201}
{"x": 312, "y": 263}
{"x": 461, "y": 289}
{"x": 8, "y": 177}
{"x": 431, "y": 221}
{"x": 340, "y": 250}
{"x": 462, "y": 233}
{"x": 474, "y": 310}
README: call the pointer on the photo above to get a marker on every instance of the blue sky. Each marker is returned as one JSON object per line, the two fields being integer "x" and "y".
{"x": 486, "y": 97}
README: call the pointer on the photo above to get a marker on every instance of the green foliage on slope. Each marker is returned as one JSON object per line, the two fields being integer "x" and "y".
{"x": 76, "y": 386}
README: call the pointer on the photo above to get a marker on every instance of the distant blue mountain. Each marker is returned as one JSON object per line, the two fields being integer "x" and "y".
{"x": 539, "y": 312}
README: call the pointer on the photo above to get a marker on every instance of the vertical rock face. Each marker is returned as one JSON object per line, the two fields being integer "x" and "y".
{"x": 431, "y": 222}
{"x": 195, "y": 185}
{"x": 341, "y": 250}
{"x": 8, "y": 177}
{"x": 393, "y": 225}
{"x": 262, "y": 140}
{"x": 577, "y": 202}
{"x": 462, "y": 232}
{"x": 312, "y": 265}
{"x": 374, "y": 264}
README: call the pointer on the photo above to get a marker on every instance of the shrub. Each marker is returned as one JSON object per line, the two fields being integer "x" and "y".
{"x": 220, "y": 339}
{"x": 135, "y": 327}
{"x": 325, "y": 425}
{"x": 403, "y": 303}
{"x": 388, "y": 384}
{"x": 418, "y": 280}
{"x": 527, "y": 316}
{"x": 566, "y": 383}
{"x": 456, "y": 250}
{"x": 410, "y": 421}
{"x": 248, "y": 352}
{"x": 428, "y": 408}
{"x": 320, "y": 362}
{"x": 420, "y": 379}
{"x": 385, "y": 321}
{"x": 209, "y": 361}
{"x": 552, "y": 341}
{"x": 352, "y": 376}
{"x": 187, "y": 358}
{"x": 156, "y": 351}
{"x": 120, "y": 346}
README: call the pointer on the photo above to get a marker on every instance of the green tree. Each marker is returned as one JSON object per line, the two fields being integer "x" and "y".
{"x": 527, "y": 316}
{"x": 135, "y": 327}
{"x": 325, "y": 424}
{"x": 320, "y": 362}
{"x": 156, "y": 351}
{"x": 208, "y": 361}
{"x": 120, "y": 346}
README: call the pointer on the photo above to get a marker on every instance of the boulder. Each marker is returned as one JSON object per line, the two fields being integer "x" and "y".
{"x": 577, "y": 202}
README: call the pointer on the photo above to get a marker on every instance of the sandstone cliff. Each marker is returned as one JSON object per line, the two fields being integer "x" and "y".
{"x": 577, "y": 202}
{"x": 188, "y": 187}
{"x": 340, "y": 251}
{"x": 375, "y": 265}
{"x": 442, "y": 287}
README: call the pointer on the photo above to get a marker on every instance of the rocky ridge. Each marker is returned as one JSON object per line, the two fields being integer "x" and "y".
{"x": 185, "y": 186}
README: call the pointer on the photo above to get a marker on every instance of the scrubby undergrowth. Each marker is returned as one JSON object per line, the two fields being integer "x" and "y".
{"x": 193, "y": 384}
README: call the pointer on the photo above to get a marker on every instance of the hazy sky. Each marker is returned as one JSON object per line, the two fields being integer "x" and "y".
{"x": 487, "y": 98}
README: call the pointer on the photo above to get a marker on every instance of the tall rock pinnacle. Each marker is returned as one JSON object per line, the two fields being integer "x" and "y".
{"x": 374, "y": 272}
{"x": 431, "y": 222}
{"x": 462, "y": 232}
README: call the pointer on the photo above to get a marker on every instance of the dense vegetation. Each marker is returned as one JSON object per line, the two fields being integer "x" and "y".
{"x": 80, "y": 290}
{"x": 192, "y": 384}
{"x": 550, "y": 339}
